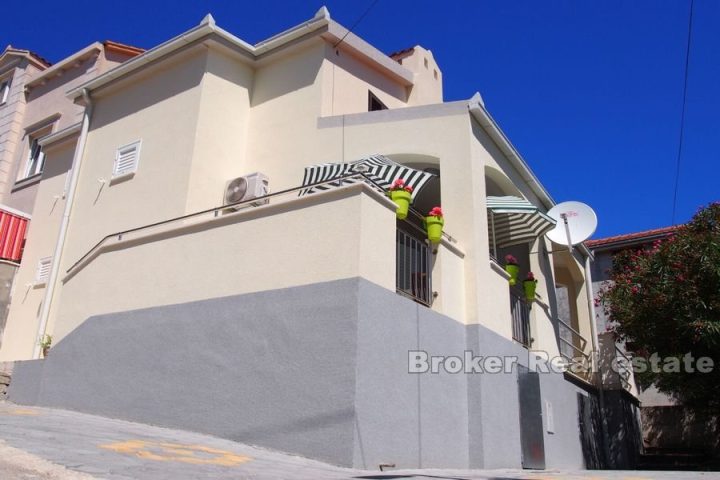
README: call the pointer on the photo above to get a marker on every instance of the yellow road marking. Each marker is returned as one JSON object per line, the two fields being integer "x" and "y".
{"x": 175, "y": 452}
{"x": 20, "y": 411}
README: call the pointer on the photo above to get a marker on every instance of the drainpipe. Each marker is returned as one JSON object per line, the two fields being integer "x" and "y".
{"x": 70, "y": 195}
{"x": 595, "y": 364}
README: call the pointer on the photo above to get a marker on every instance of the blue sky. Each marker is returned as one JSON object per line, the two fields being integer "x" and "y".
{"x": 590, "y": 92}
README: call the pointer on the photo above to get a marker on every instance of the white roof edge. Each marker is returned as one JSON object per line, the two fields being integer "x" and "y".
{"x": 48, "y": 72}
{"x": 478, "y": 111}
{"x": 491, "y": 127}
{"x": 321, "y": 18}
{"x": 134, "y": 63}
{"x": 336, "y": 32}
{"x": 13, "y": 211}
{"x": 319, "y": 21}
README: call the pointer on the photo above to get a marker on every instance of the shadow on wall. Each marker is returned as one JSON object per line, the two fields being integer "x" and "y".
{"x": 679, "y": 428}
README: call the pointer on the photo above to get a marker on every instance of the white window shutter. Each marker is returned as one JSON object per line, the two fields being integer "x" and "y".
{"x": 126, "y": 159}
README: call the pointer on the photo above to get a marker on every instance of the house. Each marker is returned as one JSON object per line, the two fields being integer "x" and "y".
{"x": 299, "y": 319}
{"x": 668, "y": 428}
{"x": 37, "y": 119}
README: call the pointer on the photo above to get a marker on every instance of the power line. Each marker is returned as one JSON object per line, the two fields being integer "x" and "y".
{"x": 360, "y": 19}
{"x": 682, "y": 115}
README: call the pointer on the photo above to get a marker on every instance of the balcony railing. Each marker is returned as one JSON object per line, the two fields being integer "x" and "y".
{"x": 624, "y": 368}
{"x": 573, "y": 347}
{"x": 520, "y": 317}
{"x": 413, "y": 273}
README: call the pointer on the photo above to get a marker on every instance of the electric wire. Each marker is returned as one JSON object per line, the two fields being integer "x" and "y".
{"x": 357, "y": 22}
{"x": 682, "y": 115}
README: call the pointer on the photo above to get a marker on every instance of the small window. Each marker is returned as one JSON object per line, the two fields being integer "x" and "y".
{"x": 43, "y": 270}
{"x": 126, "y": 159}
{"x": 4, "y": 91}
{"x": 374, "y": 103}
{"x": 36, "y": 158}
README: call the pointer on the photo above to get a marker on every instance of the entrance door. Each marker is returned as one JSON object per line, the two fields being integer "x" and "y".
{"x": 531, "y": 424}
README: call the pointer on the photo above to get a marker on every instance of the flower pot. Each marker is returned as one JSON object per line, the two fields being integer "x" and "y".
{"x": 402, "y": 199}
{"x": 45, "y": 351}
{"x": 434, "y": 226}
{"x": 513, "y": 270}
{"x": 529, "y": 287}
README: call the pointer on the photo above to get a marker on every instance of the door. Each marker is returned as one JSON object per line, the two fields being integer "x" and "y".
{"x": 532, "y": 444}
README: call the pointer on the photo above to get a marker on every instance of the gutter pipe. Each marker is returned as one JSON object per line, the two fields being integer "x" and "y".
{"x": 70, "y": 196}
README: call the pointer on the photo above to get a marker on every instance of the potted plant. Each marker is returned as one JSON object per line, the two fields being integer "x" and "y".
{"x": 434, "y": 224}
{"x": 529, "y": 286}
{"x": 401, "y": 194}
{"x": 45, "y": 344}
{"x": 511, "y": 267}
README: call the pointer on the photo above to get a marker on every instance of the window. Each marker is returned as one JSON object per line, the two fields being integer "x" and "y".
{"x": 4, "y": 91}
{"x": 36, "y": 158}
{"x": 126, "y": 159}
{"x": 374, "y": 103}
{"x": 43, "y": 270}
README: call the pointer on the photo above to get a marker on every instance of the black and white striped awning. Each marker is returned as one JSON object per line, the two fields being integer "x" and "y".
{"x": 514, "y": 220}
{"x": 378, "y": 168}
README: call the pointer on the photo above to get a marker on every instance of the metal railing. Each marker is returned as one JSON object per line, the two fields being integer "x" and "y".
{"x": 520, "y": 311}
{"x": 413, "y": 272}
{"x": 573, "y": 348}
{"x": 624, "y": 368}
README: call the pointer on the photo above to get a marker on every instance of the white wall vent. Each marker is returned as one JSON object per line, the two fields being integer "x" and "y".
{"x": 126, "y": 159}
{"x": 43, "y": 270}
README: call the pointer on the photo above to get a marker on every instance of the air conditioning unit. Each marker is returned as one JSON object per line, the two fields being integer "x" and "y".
{"x": 246, "y": 188}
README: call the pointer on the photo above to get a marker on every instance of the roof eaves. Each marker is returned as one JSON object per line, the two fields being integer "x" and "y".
{"x": 352, "y": 42}
{"x": 149, "y": 56}
{"x": 483, "y": 117}
{"x": 122, "y": 48}
{"x": 64, "y": 64}
{"x": 29, "y": 54}
{"x": 631, "y": 239}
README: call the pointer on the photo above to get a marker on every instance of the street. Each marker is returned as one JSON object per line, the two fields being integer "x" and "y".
{"x": 61, "y": 445}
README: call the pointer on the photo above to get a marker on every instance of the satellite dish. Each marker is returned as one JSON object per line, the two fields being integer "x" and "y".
{"x": 576, "y": 222}
{"x": 236, "y": 190}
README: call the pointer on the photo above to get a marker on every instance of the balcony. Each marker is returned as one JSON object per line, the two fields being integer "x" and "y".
{"x": 520, "y": 311}
{"x": 413, "y": 269}
{"x": 576, "y": 350}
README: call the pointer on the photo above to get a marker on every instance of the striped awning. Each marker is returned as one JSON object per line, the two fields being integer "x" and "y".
{"x": 378, "y": 168}
{"x": 514, "y": 221}
{"x": 12, "y": 235}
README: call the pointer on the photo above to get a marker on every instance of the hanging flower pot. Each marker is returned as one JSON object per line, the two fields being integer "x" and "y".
{"x": 434, "y": 224}
{"x": 529, "y": 286}
{"x": 401, "y": 194}
{"x": 511, "y": 267}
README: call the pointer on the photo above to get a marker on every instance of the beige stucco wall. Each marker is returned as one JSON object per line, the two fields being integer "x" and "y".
{"x": 347, "y": 80}
{"x": 22, "y": 325}
{"x": 329, "y": 236}
{"x": 162, "y": 113}
{"x": 221, "y": 136}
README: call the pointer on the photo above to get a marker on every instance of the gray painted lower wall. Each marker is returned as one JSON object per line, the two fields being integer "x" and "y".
{"x": 319, "y": 370}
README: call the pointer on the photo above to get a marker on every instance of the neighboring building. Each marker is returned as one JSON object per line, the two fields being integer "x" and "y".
{"x": 37, "y": 117}
{"x": 667, "y": 426}
{"x": 289, "y": 320}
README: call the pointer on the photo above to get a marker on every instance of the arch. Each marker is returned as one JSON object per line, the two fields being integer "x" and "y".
{"x": 497, "y": 184}
{"x": 430, "y": 196}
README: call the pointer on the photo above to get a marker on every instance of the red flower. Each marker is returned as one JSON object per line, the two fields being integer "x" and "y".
{"x": 510, "y": 260}
{"x": 436, "y": 212}
{"x": 530, "y": 276}
{"x": 399, "y": 184}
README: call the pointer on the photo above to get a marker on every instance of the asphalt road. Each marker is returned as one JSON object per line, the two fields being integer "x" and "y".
{"x": 41, "y": 443}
